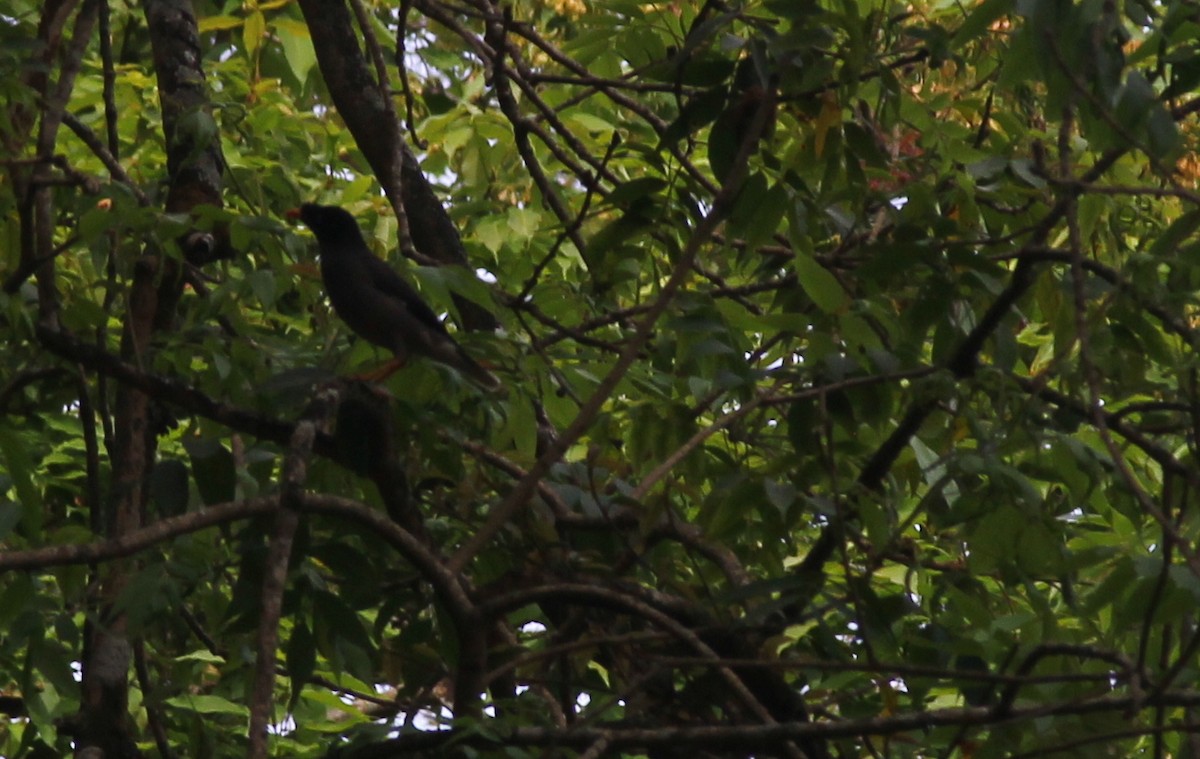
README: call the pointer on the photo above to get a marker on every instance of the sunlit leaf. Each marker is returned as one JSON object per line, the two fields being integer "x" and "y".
{"x": 253, "y": 32}
{"x": 207, "y": 704}
{"x": 820, "y": 285}
{"x": 297, "y": 47}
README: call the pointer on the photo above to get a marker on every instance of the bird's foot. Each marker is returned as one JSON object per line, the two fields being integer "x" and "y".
{"x": 381, "y": 373}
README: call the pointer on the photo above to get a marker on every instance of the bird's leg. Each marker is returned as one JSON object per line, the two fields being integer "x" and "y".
{"x": 381, "y": 373}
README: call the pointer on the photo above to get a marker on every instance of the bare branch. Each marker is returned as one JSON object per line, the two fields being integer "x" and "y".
{"x": 279, "y": 551}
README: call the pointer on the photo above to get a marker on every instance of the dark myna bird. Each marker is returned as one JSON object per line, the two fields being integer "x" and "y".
{"x": 375, "y": 302}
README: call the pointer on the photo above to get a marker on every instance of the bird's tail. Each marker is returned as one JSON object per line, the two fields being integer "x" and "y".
{"x": 477, "y": 373}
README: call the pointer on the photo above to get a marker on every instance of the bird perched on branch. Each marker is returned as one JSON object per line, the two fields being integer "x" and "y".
{"x": 376, "y": 303}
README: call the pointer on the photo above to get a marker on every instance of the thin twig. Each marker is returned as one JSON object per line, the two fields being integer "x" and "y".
{"x": 83, "y": 132}
{"x": 721, "y": 205}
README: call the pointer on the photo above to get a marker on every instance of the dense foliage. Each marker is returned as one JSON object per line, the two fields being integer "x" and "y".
{"x": 850, "y": 360}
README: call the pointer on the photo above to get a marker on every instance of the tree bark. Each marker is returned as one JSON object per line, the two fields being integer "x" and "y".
{"x": 195, "y": 175}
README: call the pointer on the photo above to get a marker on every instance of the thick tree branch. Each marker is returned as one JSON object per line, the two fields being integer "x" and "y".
{"x": 138, "y": 540}
{"x": 449, "y": 587}
{"x": 173, "y": 391}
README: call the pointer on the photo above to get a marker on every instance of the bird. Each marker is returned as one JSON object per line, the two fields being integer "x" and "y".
{"x": 376, "y": 303}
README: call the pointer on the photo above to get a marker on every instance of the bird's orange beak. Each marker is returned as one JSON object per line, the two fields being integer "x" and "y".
{"x": 292, "y": 213}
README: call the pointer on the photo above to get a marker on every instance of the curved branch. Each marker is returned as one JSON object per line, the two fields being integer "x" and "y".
{"x": 139, "y": 540}
{"x": 579, "y": 593}
{"x": 451, "y": 589}
{"x": 175, "y": 392}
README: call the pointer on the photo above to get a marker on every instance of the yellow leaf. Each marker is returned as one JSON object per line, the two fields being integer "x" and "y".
{"x": 829, "y": 117}
{"x": 217, "y": 23}
{"x": 253, "y": 32}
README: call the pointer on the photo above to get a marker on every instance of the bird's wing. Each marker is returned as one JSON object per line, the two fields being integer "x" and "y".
{"x": 384, "y": 309}
{"x": 387, "y": 281}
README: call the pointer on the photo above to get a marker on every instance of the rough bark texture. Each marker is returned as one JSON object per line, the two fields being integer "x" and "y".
{"x": 36, "y": 75}
{"x": 195, "y": 169}
{"x": 195, "y": 178}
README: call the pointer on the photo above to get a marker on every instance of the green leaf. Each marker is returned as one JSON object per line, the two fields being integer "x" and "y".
{"x": 1023, "y": 61}
{"x": 980, "y": 20}
{"x": 635, "y": 190}
{"x": 724, "y": 140}
{"x": 253, "y": 33}
{"x": 169, "y": 487}
{"x": 207, "y": 704}
{"x": 195, "y": 131}
{"x": 213, "y": 470}
{"x": 994, "y": 541}
{"x": 20, "y": 468}
{"x": 824, "y": 289}
{"x": 95, "y": 223}
{"x": 297, "y": 47}
{"x": 1163, "y": 132}
{"x": 1039, "y": 550}
{"x": 1172, "y": 239}
{"x": 339, "y": 634}
{"x": 590, "y": 122}
{"x": 698, "y": 112}
{"x": 440, "y": 281}
{"x": 53, "y": 662}
{"x": 201, "y": 656}
{"x": 218, "y": 23}
{"x": 493, "y": 233}
{"x": 524, "y": 223}
{"x": 802, "y": 421}
{"x": 18, "y": 593}
{"x": 602, "y": 248}
{"x": 724, "y": 514}
{"x": 301, "y": 658}
{"x": 10, "y": 517}
{"x": 520, "y": 430}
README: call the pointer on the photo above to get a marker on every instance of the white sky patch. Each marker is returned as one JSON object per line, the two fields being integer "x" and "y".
{"x": 282, "y": 727}
{"x": 429, "y": 721}
{"x": 340, "y": 173}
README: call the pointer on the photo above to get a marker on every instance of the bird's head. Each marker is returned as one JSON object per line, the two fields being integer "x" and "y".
{"x": 327, "y": 222}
